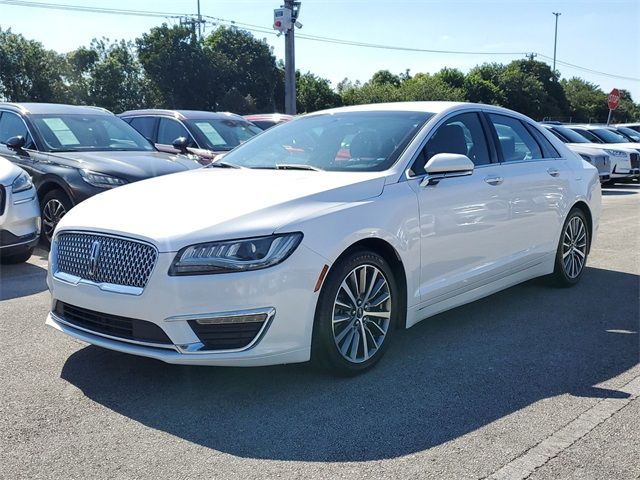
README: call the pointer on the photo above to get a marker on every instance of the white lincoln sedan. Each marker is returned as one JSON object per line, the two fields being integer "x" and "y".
{"x": 320, "y": 237}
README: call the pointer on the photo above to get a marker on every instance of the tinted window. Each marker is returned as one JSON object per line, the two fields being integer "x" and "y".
{"x": 609, "y": 136}
{"x": 169, "y": 130}
{"x": 375, "y": 141}
{"x": 462, "y": 134}
{"x": 630, "y": 134}
{"x": 263, "y": 124}
{"x": 587, "y": 135}
{"x": 548, "y": 150}
{"x": 515, "y": 141}
{"x": 145, "y": 125}
{"x": 11, "y": 125}
{"x": 224, "y": 134}
{"x": 569, "y": 135}
{"x": 74, "y": 132}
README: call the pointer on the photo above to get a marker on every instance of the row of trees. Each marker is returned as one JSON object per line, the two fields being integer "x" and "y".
{"x": 231, "y": 70}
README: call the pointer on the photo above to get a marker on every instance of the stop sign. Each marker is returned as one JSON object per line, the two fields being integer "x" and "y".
{"x": 614, "y": 99}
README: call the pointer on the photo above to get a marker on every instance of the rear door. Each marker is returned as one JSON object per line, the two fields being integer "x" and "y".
{"x": 536, "y": 180}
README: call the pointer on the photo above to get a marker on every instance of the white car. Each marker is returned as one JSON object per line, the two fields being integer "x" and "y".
{"x": 621, "y": 158}
{"x": 19, "y": 214}
{"x": 319, "y": 238}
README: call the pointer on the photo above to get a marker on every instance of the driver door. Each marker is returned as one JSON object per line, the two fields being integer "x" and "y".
{"x": 463, "y": 220}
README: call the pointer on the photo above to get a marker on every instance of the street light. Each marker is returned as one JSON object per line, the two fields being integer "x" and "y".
{"x": 555, "y": 42}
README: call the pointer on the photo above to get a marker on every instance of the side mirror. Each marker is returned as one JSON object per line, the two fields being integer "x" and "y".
{"x": 16, "y": 143}
{"x": 181, "y": 144}
{"x": 446, "y": 165}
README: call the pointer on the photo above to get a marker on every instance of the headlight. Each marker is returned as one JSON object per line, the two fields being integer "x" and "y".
{"x": 616, "y": 153}
{"x": 100, "y": 180}
{"x": 21, "y": 183}
{"x": 586, "y": 157}
{"x": 235, "y": 255}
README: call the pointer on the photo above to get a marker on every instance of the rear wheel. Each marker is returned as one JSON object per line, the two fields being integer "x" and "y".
{"x": 356, "y": 314}
{"x": 573, "y": 249}
{"x": 54, "y": 206}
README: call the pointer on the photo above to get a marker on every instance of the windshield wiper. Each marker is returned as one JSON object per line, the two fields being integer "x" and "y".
{"x": 297, "y": 166}
{"x": 222, "y": 164}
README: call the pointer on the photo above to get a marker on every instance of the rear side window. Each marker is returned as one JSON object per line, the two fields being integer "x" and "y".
{"x": 516, "y": 143}
{"x": 145, "y": 125}
{"x": 548, "y": 150}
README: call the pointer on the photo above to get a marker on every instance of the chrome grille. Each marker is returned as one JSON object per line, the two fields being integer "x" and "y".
{"x": 118, "y": 261}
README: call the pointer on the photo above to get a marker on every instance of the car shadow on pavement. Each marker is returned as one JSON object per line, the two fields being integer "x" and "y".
{"x": 443, "y": 378}
{"x": 21, "y": 280}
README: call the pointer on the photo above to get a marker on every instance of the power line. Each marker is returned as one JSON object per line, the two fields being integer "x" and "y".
{"x": 316, "y": 38}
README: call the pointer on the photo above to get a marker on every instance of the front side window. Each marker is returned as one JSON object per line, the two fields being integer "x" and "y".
{"x": 462, "y": 134}
{"x": 79, "y": 132}
{"x": 11, "y": 125}
{"x": 170, "y": 130}
{"x": 515, "y": 141}
{"x": 343, "y": 141}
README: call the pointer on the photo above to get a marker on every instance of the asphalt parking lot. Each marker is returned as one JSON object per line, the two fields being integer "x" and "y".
{"x": 533, "y": 382}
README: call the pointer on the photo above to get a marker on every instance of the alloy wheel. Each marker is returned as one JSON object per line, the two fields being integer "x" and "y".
{"x": 52, "y": 213}
{"x": 361, "y": 313}
{"x": 574, "y": 247}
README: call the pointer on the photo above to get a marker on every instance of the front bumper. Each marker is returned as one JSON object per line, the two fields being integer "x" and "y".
{"x": 20, "y": 220}
{"x": 172, "y": 302}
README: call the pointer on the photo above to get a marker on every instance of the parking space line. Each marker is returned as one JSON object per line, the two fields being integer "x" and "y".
{"x": 523, "y": 466}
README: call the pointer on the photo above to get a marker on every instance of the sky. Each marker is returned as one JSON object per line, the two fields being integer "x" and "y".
{"x": 602, "y": 35}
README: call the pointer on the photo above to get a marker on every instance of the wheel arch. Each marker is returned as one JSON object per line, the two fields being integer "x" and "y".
{"x": 584, "y": 208}
{"x": 48, "y": 185}
{"x": 392, "y": 257}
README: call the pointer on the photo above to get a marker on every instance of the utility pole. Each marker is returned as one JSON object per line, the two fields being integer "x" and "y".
{"x": 286, "y": 21}
{"x": 199, "y": 22}
{"x": 555, "y": 42}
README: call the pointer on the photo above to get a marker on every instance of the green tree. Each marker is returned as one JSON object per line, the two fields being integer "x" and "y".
{"x": 315, "y": 93}
{"x": 29, "y": 72}
{"x": 425, "y": 87}
{"x": 246, "y": 64}
{"x": 177, "y": 68}
{"x": 385, "y": 77}
{"x": 587, "y": 102}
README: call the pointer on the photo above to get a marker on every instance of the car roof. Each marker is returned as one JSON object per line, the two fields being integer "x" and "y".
{"x": 29, "y": 108}
{"x": 180, "y": 114}
{"x": 275, "y": 117}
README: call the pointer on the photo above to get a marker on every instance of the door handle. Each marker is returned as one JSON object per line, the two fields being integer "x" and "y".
{"x": 494, "y": 180}
{"x": 554, "y": 172}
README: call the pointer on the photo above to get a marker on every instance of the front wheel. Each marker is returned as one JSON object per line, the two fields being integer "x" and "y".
{"x": 356, "y": 313}
{"x": 573, "y": 248}
{"x": 54, "y": 206}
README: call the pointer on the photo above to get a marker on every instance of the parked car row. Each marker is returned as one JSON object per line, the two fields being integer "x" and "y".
{"x": 615, "y": 153}
{"x": 71, "y": 153}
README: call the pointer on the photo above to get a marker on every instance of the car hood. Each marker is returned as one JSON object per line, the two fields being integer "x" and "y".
{"x": 624, "y": 147}
{"x": 214, "y": 204}
{"x": 587, "y": 150}
{"x": 131, "y": 166}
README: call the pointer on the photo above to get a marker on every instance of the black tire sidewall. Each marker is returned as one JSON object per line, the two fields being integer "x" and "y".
{"x": 324, "y": 350}
{"x": 560, "y": 275}
{"x": 62, "y": 198}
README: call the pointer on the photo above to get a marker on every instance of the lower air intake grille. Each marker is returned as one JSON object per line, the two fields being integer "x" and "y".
{"x": 3, "y": 198}
{"x": 635, "y": 160}
{"x": 226, "y": 336}
{"x": 112, "y": 325}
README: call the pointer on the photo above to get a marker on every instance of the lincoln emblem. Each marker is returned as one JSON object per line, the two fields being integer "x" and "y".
{"x": 93, "y": 257}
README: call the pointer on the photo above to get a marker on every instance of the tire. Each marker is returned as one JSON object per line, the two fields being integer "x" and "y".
{"x": 333, "y": 344}
{"x": 53, "y": 206}
{"x": 16, "y": 257}
{"x": 573, "y": 250}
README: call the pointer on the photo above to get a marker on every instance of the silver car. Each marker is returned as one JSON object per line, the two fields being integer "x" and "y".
{"x": 19, "y": 214}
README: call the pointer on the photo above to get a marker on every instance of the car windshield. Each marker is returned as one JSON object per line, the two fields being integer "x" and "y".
{"x": 630, "y": 133}
{"x": 80, "y": 132}
{"x": 609, "y": 136}
{"x": 570, "y": 135}
{"x": 224, "y": 134}
{"x": 344, "y": 141}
